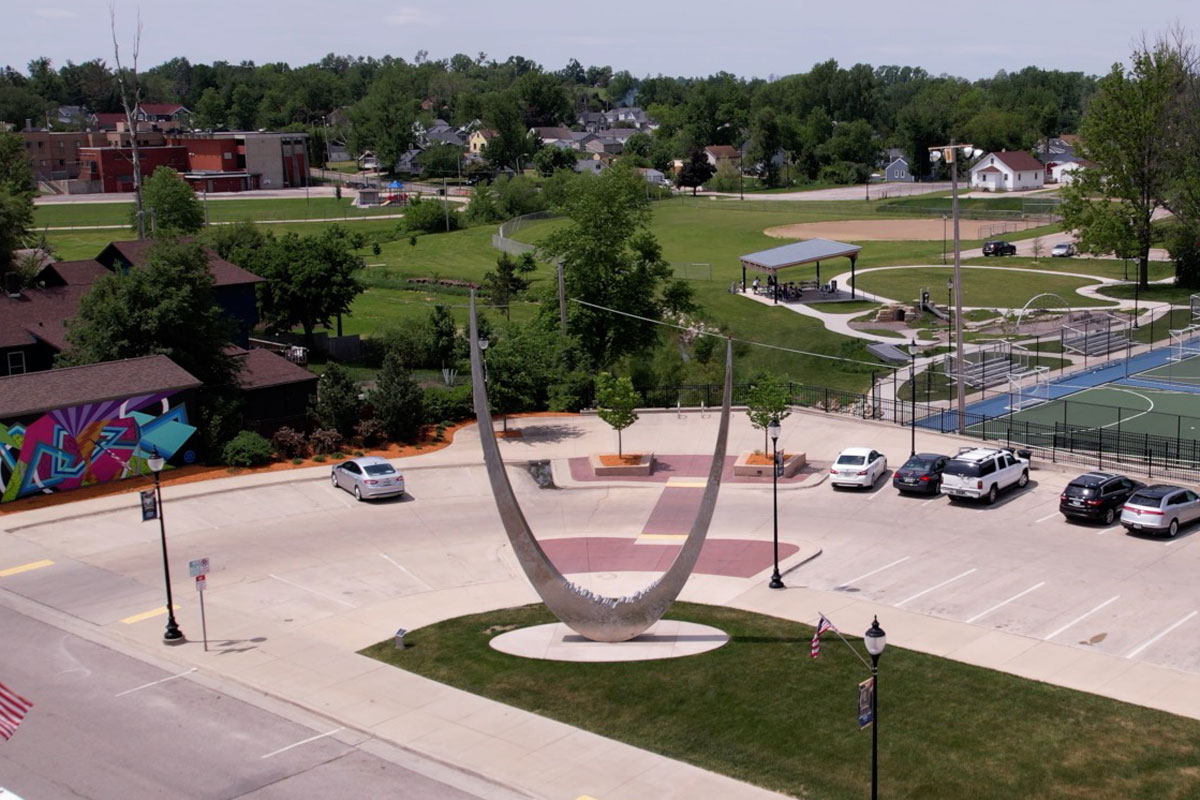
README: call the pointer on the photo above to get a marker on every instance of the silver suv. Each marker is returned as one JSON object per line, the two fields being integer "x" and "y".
{"x": 983, "y": 472}
{"x": 1160, "y": 509}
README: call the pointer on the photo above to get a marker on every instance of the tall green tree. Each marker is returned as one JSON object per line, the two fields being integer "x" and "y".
{"x": 443, "y": 337}
{"x": 383, "y": 120}
{"x": 613, "y": 263}
{"x": 397, "y": 399}
{"x": 171, "y": 207}
{"x": 309, "y": 280}
{"x": 616, "y": 400}
{"x": 695, "y": 171}
{"x": 336, "y": 406}
{"x": 508, "y": 280}
{"x": 514, "y": 145}
{"x": 1122, "y": 135}
{"x": 16, "y": 197}
{"x": 210, "y": 110}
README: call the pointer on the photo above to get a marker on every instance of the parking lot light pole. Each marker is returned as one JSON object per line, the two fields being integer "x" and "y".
{"x": 875, "y": 640}
{"x": 912, "y": 379}
{"x": 773, "y": 430}
{"x": 172, "y": 635}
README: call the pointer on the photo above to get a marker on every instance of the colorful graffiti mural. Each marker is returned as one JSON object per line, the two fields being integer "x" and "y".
{"x": 88, "y": 444}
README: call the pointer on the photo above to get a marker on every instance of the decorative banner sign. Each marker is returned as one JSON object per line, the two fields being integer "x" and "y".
{"x": 149, "y": 507}
{"x": 866, "y": 703}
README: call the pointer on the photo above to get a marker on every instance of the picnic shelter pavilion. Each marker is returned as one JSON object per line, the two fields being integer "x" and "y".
{"x": 797, "y": 254}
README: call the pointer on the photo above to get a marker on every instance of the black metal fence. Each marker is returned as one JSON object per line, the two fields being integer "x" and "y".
{"x": 1102, "y": 447}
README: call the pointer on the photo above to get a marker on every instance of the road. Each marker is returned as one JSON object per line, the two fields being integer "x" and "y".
{"x": 107, "y": 724}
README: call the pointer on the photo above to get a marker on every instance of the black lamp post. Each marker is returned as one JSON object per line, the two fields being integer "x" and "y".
{"x": 172, "y": 635}
{"x": 773, "y": 430}
{"x": 875, "y": 640}
{"x": 912, "y": 379}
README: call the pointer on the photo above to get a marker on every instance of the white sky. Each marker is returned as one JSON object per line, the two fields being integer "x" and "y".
{"x": 753, "y": 38}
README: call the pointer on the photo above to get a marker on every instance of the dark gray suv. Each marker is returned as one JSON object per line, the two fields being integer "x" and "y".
{"x": 1096, "y": 496}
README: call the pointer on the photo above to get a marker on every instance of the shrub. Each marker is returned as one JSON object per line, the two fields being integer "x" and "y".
{"x": 430, "y": 216}
{"x": 247, "y": 449}
{"x": 370, "y": 432}
{"x": 296, "y": 461}
{"x": 451, "y": 405}
{"x": 337, "y": 405}
{"x": 289, "y": 443}
{"x": 324, "y": 441}
{"x": 320, "y": 457}
{"x": 397, "y": 400}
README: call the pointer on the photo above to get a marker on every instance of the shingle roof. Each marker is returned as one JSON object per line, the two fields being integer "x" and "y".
{"x": 37, "y": 392}
{"x": 790, "y": 255}
{"x": 39, "y": 314}
{"x": 71, "y": 273}
{"x": 135, "y": 252}
{"x": 262, "y": 368}
{"x": 722, "y": 151}
{"x": 1018, "y": 160}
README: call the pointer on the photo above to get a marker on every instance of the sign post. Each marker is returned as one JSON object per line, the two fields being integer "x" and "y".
{"x": 866, "y": 695}
{"x": 198, "y": 569}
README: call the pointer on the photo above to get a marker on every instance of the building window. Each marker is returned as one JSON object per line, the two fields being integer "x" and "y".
{"x": 16, "y": 363}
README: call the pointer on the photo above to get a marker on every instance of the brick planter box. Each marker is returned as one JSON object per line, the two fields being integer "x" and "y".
{"x": 791, "y": 465}
{"x": 645, "y": 466}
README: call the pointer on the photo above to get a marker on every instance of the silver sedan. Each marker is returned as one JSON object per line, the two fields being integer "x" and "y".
{"x": 368, "y": 477}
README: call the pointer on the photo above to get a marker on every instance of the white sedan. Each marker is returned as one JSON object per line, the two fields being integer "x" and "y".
{"x": 857, "y": 466}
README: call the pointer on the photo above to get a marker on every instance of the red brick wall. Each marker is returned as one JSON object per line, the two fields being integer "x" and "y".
{"x": 113, "y": 167}
{"x": 215, "y": 155}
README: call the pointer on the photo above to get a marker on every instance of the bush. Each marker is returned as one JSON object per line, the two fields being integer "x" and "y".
{"x": 247, "y": 449}
{"x": 325, "y": 441}
{"x": 337, "y": 405}
{"x": 320, "y": 457}
{"x": 429, "y": 216}
{"x": 370, "y": 432}
{"x": 397, "y": 400}
{"x": 289, "y": 443}
{"x": 449, "y": 405}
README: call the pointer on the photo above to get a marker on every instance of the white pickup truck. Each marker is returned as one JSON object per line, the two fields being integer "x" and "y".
{"x": 983, "y": 472}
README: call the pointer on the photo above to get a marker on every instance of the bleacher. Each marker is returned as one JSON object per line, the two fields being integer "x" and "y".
{"x": 1096, "y": 343}
{"x": 987, "y": 369}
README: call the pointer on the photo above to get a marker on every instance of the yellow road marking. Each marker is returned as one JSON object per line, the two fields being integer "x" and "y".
{"x": 4, "y": 573}
{"x": 585, "y": 797}
{"x": 686, "y": 483}
{"x": 158, "y": 612}
{"x": 667, "y": 536}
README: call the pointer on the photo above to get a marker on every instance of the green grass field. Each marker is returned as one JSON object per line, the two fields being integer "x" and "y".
{"x": 988, "y": 288}
{"x": 71, "y": 215}
{"x": 760, "y": 710}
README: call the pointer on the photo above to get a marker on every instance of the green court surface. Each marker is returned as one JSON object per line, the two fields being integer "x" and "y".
{"x": 1121, "y": 410}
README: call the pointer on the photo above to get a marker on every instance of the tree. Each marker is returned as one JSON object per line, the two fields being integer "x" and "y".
{"x": 506, "y": 281}
{"x": 549, "y": 159}
{"x": 513, "y": 144}
{"x": 337, "y": 406}
{"x": 767, "y": 401}
{"x": 616, "y": 400}
{"x": 766, "y": 139}
{"x": 440, "y": 159}
{"x": 171, "y": 205}
{"x": 164, "y": 307}
{"x": 443, "y": 337}
{"x": 130, "y": 89}
{"x": 243, "y": 108}
{"x": 309, "y": 280}
{"x": 517, "y": 373}
{"x": 610, "y": 261}
{"x": 210, "y": 110}
{"x": 16, "y": 197}
{"x": 397, "y": 399}
{"x": 1122, "y": 134}
{"x": 695, "y": 171}
{"x": 1037, "y": 247}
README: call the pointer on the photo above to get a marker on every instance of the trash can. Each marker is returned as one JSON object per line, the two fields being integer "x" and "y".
{"x": 833, "y": 287}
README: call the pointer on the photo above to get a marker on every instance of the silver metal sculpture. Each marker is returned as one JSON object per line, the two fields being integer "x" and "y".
{"x": 596, "y": 617}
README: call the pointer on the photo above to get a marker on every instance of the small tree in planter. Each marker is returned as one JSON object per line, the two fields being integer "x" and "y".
{"x": 767, "y": 400}
{"x": 616, "y": 400}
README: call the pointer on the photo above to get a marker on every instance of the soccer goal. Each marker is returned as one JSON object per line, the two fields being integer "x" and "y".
{"x": 1195, "y": 307}
{"x": 1185, "y": 342}
{"x": 1028, "y": 388}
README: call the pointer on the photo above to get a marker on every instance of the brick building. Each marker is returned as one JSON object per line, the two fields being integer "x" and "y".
{"x": 111, "y": 168}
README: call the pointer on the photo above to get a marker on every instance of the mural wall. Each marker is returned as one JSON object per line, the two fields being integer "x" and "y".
{"x": 88, "y": 444}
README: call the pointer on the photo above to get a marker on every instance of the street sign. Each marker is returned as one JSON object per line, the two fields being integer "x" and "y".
{"x": 201, "y": 583}
{"x": 198, "y": 567}
{"x": 149, "y": 507}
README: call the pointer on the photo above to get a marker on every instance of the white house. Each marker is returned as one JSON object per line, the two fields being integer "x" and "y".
{"x": 1067, "y": 172}
{"x": 1008, "y": 171}
{"x": 653, "y": 176}
{"x": 898, "y": 171}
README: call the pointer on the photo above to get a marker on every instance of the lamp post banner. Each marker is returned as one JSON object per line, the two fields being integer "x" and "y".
{"x": 149, "y": 507}
{"x": 866, "y": 698}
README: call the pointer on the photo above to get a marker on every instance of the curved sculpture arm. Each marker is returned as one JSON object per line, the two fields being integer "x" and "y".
{"x": 602, "y": 619}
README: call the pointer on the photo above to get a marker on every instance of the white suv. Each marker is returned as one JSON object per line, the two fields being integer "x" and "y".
{"x": 983, "y": 472}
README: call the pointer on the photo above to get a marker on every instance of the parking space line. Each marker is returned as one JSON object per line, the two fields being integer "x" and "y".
{"x": 154, "y": 683}
{"x": 1048, "y": 516}
{"x": 1082, "y": 617}
{"x": 406, "y": 571}
{"x": 1017, "y": 596}
{"x": 4, "y": 573}
{"x": 312, "y": 591}
{"x": 937, "y": 496}
{"x": 1160, "y": 635}
{"x": 158, "y": 612}
{"x": 302, "y": 741}
{"x": 931, "y": 588}
{"x": 853, "y": 581}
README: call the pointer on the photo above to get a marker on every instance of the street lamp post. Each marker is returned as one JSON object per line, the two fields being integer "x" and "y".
{"x": 773, "y": 430}
{"x": 172, "y": 635}
{"x": 944, "y": 218}
{"x": 483, "y": 346}
{"x": 949, "y": 316}
{"x": 912, "y": 379}
{"x": 875, "y": 640}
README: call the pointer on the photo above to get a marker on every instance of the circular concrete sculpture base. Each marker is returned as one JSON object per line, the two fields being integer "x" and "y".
{"x": 667, "y": 638}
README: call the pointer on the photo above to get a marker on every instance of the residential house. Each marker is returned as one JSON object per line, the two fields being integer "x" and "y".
{"x": 164, "y": 116}
{"x": 593, "y": 121}
{"x": 722, "y": 154}
{"x": 591, "y": 166}
{"x": 555, "y": 137}
{"x": 583, "y": 138}
{"x": 479, "y": 140}
{"x": 275, "y": 392}
{"x": 653, "y": 176}
{"x": 1008, "y": 171}
{"x": 897, "y": 171}
{"x": 407, "y": 162}
{"x": 1067, "y": 172}
{"x": 629, "y": 117}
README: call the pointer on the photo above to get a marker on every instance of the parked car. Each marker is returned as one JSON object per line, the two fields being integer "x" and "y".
{"x": 1063, "y": 250}
{"x": 1160, "y": 509}
{"x": 998, "y": 247}
{"x": 1096, "y": 496}
{"x": 368, "y": 477}
{"x": 921, "y": 473}
{"x": 983, "y": 472}
{"x": 857, "y": 466}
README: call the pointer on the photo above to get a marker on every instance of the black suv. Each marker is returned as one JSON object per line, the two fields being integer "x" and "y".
{"x": 1096, "y": 496}
{"x": 999, "y": 248}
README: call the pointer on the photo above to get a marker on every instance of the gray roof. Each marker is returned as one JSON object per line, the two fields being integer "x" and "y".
{"x": 790, "y": 255}
{"x": 38, "y": 392}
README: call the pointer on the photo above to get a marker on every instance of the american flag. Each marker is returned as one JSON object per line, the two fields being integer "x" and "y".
{"x": 13, "y": 709}
{"x": 822, "y": 626}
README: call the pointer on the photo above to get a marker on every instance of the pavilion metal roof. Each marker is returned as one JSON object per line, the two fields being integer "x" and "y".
{"x": 790, "y": 255}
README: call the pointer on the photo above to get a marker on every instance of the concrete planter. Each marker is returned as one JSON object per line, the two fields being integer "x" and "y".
{"x": 791, "y": 465}
{"x": 644, "y": 466}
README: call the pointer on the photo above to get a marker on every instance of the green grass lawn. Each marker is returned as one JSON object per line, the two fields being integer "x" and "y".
{"x": 987, "y": 288}
{"x": 1156, "y": 292}
{"x": 1101, "y": 267}
{"x": 69, "y": 215}
{"x": 760, "y": 710}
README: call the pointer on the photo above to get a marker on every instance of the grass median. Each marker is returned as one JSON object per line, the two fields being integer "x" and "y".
{"x": 760, "y": 710}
